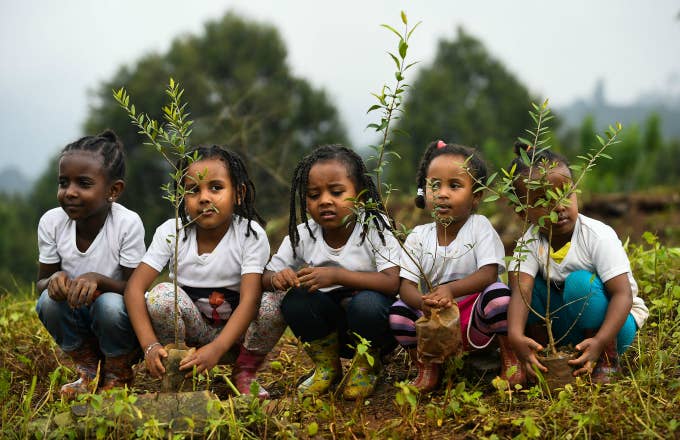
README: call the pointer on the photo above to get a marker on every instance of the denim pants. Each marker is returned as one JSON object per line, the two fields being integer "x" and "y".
{"x": 315, "y": 315}
{"x": 105, "y": 320}
{"x": 587, "y": 301}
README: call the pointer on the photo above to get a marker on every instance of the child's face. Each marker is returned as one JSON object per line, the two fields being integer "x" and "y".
{"x": 328, "y": 187}
{"x": 210, "y": 196}
{"x": 450, "y": 189}
{"x": 567, "y": 212}
{"x": 84, "y": 188}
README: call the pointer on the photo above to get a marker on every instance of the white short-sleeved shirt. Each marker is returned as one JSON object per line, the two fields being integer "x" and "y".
{"x": 477, "y": 244}
{"x": 594, "y": 247}
{"x": 370, "y": 256}
{"x": 120, "y": 242}
{"x": 234, "y": 256}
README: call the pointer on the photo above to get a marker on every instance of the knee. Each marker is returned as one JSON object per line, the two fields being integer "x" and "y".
{"x": 109, "y": 309}
{"x": 161, "y": 297}
{"x": 294, "y": 303}
{"x": 47, "y": 308}
{"x": 582, "y": 284}
{"x": 368, "y": 305}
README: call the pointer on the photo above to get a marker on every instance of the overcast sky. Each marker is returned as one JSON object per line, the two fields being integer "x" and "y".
{"x": 53, "y": 52}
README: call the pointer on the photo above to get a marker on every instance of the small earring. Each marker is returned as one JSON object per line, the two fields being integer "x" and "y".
{"x": 110, "y": 199}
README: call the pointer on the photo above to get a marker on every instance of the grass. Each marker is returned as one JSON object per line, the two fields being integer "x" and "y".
{"x": 644, "y": 403}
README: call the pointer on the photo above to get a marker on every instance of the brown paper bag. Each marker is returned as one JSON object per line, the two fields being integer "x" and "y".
{"x": 439, "y": 336}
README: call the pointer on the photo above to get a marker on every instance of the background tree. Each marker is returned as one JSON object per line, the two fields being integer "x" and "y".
{"x": 465, "y": 96}
{"x": 240, "y": 93}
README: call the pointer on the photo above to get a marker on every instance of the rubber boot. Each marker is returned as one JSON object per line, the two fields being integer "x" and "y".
{"x": 608, "y": 363}
{"x": 244, "y": 372}
{"x": 325, "y": 354}
{"x": 87, "y": 359}
{"x": 362, "y": 377}
{"x": 428, "y": 373}
{"x": 118, "y": 371}
{"x": 508, "y": 361}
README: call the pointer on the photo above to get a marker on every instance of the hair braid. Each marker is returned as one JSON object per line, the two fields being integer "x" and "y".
{"x": 240, "y": 181}
{"x": 475, "y": 166}
{"x": 356, "y": 169}
{"x": 109, "y": 146}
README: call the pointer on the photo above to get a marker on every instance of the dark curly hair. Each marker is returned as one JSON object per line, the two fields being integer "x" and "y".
{"x": 109, "y": 146}
{"x": 239, "y": 179}
{"x": 476, "y": 165}
{"x": 357, "y": 172}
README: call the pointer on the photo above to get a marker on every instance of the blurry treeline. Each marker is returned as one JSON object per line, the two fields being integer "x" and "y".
{"x": 242, "y": 94}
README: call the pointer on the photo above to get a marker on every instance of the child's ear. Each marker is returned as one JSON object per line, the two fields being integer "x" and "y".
{"x": 115, "y": 190}
{"x": 240, "y": 194}
{"x": 476, "y": 199}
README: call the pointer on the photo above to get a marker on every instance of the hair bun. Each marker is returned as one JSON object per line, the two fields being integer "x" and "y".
{"x": 109, "y": 135}
{"x": 519, "y": 146}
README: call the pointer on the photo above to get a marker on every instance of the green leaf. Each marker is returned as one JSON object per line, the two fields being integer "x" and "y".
{"x": 403, "y": 17}
{"x": 390, "y": 28}
{"x": 313, "y": 428}
{"x": 403, "y": 47}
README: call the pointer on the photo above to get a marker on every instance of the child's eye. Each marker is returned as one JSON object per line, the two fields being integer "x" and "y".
{"x": 215, "y": 187}
{"x": 337, "y": 193}
{"x": 63, "y": 183}
{"x": 312, "y": 196}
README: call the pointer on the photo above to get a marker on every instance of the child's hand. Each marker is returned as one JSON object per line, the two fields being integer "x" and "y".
{"x": 526, "y": 348}
{"x": 58, "y": 286}
{"x": 285, "y": 279}
{"x": 590, "y": 349}
{"x": 441, "y": 296}
{"x": 203, "y": 359}
{"x": 82, "y": 289}
{"x": 315, "y": 278}
{"x": 153, "y": 359}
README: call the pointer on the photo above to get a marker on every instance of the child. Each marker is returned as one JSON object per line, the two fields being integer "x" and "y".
{"x": 593, "y": 294}
{"x": 341, "y": 269}
{"x": 222, "y": 253}
{"x": 88, "y": 249}
{"x": 461, "y": 255}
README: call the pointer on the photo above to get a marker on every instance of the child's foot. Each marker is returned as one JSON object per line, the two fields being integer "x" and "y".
{"x": 362, "y": 378}
{"x": 86, "y": 359}
{"x": 428, "y": 377}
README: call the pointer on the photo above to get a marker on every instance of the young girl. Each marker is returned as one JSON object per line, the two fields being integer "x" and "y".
{"x": 222, "y": 253}
{"x": 593, "y": 294}
{"x": 461, "y": 255}
{"x": 88, "y": 249}
{"x": 341, "y": 269}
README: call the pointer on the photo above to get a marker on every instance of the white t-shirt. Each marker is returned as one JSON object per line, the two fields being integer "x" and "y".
{"x": 370, "y": 256}
{"x": 477, "y": 244}
{"x": 120, "y": 242}
{"x": 234, "y": 255}
{"x": 594, "y": 247}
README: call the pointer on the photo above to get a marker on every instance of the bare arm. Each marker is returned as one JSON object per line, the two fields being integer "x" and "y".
{"x": 385, "y": 282}
{"x": 207, "y": 356}
{"x": 51, "y": 277}
{"x": 522, "y": 285}
{"x": 135, "y": 303}
{"x": 409, "y": 293}
{"x": 281, "y": 280}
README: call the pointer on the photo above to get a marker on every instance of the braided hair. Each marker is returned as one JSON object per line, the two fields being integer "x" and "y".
{"x": 543, "y": 158}
{"x": 109, "y": 146}
{"x": 356, "y": 169}
{"x": 239, "y": 179}
{"x": 475, "y": 166}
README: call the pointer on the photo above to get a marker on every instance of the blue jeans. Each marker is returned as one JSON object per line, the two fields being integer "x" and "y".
{"x": 588, "y": 301}
{"x": 313, "y": 316}
{"x": 105, "y": 320}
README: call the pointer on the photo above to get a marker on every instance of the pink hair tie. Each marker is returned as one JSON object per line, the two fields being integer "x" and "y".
{"x": 440, "y": 144}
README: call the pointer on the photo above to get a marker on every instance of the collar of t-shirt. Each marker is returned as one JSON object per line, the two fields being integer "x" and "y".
{"x": 559, "y": 255}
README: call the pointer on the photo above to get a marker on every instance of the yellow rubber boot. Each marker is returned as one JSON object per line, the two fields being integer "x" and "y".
{"x": 325, "y": 353}
{"x": 362, "y": 377}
